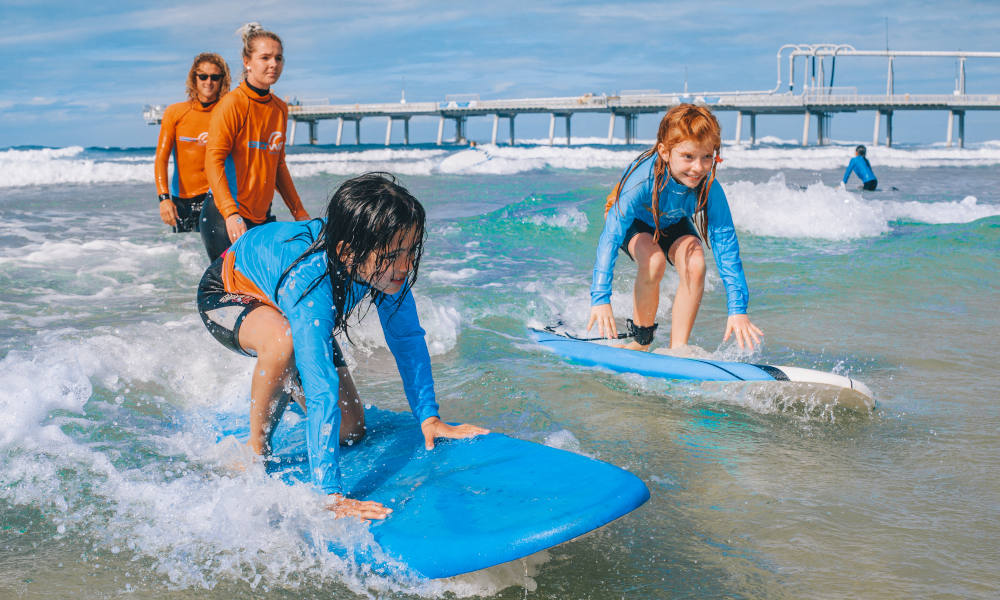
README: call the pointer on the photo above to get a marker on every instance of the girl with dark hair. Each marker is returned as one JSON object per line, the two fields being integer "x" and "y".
{"x": 860, "y": 165}
{"x": 183, "y": 135}
{"x": 649, "y": 217}
{"x": 281, "y": 292}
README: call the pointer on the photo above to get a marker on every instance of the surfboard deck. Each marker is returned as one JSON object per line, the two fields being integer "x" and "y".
{"x": 467, "y": 504}
{"x": 828, "y": 388}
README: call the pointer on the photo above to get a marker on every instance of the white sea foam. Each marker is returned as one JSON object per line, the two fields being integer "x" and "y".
{"x": 74, "y": 165}
{"x": 833, "y": 213}
{"x": 571, "y": 218}
{"x": 441, "y": 322}
{"x": 207, "y": 514}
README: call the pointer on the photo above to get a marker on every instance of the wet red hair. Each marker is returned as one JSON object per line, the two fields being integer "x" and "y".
{"x": 682, "y": 123}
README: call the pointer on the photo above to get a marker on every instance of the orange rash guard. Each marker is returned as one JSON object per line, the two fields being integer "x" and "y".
{"x": 245, "y": 157}
{"x": 183, "y": 133}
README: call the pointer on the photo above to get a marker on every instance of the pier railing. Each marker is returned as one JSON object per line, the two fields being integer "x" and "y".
{"x": 813, "y": 99}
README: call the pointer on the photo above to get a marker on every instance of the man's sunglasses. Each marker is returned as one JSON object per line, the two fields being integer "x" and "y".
{"x": 204, "y": 76}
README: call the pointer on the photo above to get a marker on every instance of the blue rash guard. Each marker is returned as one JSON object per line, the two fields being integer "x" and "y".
{"x": 860, "y": 166}
{"x": 262, "y": 255}
{"x": 676, "y": 202}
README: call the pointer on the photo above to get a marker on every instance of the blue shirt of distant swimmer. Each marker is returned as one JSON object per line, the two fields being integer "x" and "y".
{"x": 262, "y": 255}
{"x": 676, "y": 202}
{"x": 861, "y": 167}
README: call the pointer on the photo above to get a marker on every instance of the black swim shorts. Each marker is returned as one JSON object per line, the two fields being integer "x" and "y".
{"x": 667, "y": 236}
{"x": 223, "y": 312}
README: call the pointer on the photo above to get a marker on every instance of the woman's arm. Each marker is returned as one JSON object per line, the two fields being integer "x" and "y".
{"x": 285, "y": 187}
{"x": 164, "y": 146}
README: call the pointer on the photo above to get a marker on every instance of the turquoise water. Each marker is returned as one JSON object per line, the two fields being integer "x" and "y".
{"x": 109, "y": 487}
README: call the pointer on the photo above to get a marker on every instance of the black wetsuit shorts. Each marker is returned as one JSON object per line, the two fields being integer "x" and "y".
{"x": 667, "y": 236}
{"x": 213, "y": 229}
{"x": 223, "y": 312}
{"x": 189, "y": 212}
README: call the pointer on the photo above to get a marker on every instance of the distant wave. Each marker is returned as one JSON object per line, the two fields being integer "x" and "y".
{"x": 832, "y": 213}
{"x": 76, "y": 165}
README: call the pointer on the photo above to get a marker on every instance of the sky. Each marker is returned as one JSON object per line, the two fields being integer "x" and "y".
{"x": 79, "y": 73}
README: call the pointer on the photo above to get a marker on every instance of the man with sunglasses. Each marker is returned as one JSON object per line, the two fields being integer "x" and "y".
{"x": 183, "y": 135}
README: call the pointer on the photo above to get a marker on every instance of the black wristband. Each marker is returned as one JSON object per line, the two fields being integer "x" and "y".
{"x": 163, "y": 197}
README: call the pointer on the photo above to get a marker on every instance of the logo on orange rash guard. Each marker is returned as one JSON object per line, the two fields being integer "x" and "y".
{"x": 273, "y": 144}
{"x": 201, "y": 140}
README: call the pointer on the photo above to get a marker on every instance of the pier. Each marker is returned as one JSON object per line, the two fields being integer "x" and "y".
{"x": 816, "y": 99}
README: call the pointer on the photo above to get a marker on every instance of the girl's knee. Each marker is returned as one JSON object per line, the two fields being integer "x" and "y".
{"x": 651, "y": 269}
{"x": 690, "y": 260}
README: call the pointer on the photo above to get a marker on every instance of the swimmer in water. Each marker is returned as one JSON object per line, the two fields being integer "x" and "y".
{"x": 862, "y": 168}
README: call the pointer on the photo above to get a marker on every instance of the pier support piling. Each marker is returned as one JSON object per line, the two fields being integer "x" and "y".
{"x": 291, "y": 131}
{"x": 357, "y": 131}
{"x": 611, "y": 128}
{"x": 552, "y": 127}
{"x": 388, "y": 130}
{"x": 888, "y": 129}
{"x": 312, "y": 133}
{"x": 496, "y": 124}
{"x": 340, "y": 129}
{"x": 753, "y": 129}
{"x": 739, "y": 127}
{"x": 961, "y": 128}
{"x": 805, "y": 128}
{"x": 440, "y": 130}
{"x": 878, "y": 116}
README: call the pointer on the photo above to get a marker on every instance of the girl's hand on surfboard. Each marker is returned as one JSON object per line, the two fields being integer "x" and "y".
{"x": 746, "y": 333}
{"x": 433, "y": 427}
{"x": 365, "y": 510}
{"x": 605, "y": 319}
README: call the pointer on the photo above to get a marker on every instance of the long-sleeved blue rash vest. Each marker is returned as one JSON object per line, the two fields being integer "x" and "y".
{"x": 860, "y": 166}
{"x": 262, "y": 255}
{"x": 676, "y": 202}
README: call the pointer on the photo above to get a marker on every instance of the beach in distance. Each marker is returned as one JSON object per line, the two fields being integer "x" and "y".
{"x": 112, "y": 487}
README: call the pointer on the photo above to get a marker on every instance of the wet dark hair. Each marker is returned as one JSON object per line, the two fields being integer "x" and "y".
{"x": 365, "y": 214}
{"x": 861, "y": 151}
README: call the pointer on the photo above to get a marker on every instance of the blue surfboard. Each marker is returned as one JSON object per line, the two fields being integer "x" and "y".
{"x": 841, "y": 390}
{"x": 467, "y": 504}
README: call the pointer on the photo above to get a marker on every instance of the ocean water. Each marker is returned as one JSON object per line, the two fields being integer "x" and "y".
{"x": 110, "y": 488}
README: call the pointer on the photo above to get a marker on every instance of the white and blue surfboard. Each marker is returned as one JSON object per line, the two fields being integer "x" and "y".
{"x": 839, "y": 390}
{"x": 465, "y": 505}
